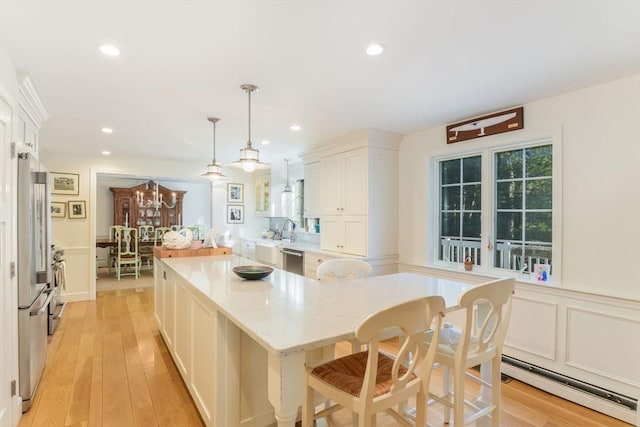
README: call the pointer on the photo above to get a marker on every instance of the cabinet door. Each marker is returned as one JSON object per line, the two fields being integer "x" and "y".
{"x": 27, "y": 133}
{"x": 331, "y": 235}
{"x": 331, "y": 189}
{"x": 312, "y": 188}
{"x": 263, "y": 194}
{"x": 158, "y": 292}
{"x": 354, "y": 183}
{"x": 182, "y": 342}
{"x": 168, "y": 326}
{"x": 355, "y": 235}
{"x": 344, "y": 234}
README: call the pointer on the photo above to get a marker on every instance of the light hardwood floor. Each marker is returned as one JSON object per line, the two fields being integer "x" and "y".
{"x": 108, "y": 366}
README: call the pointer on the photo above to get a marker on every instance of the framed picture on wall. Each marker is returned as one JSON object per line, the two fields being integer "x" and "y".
{"x": 58, "y": 209}
{"x": 235, "y": 214}
{"x": 235, "y": 193}
{"x": 65, "y": 183}
{"x": 77, "y": 209}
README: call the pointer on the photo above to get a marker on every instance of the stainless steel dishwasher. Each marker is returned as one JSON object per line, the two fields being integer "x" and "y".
{"x": 293, "y": 261}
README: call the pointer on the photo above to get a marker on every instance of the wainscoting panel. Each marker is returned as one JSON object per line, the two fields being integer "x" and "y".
{"x": 533, "y": 326}
{"x": 582, "y": 337}
{"x": 604, "y": 344}
{"x": 77, "y": 268}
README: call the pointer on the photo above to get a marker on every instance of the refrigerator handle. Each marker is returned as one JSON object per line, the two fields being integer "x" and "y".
{"x": 44, "y": 306}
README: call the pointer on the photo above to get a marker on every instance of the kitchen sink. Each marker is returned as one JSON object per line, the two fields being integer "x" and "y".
{"x": 267, "y": 252}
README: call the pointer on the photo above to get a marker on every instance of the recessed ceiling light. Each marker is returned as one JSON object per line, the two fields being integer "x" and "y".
{"x": 295, "y": 128}
{"x": 109, "y": 49}
{"x": 265, "y": 142}
{"x": 375, "y": 49}
{"x": 107, "y": 130}
{"x": 106, "y": 153}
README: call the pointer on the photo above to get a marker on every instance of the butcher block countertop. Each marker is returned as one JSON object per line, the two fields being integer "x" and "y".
{"x": 160, "y": 252}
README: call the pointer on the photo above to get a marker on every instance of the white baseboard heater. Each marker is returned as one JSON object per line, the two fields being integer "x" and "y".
{"x": 619, "y": 399}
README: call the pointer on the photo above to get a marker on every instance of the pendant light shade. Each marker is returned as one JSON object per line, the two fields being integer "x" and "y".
{"x": 214, "y": 170}
{"x": 249, "y": 156}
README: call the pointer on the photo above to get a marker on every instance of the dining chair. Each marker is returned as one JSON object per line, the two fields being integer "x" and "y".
{"x": 145, "y": 233}
{"x": 127, "y": 255}
{"x": 487, "y": 309}
{"x": 113, "y": 250}
{"x": 159, "y": 234}
{"x": 369, "y": 382}
{"x": 342, "y": 269}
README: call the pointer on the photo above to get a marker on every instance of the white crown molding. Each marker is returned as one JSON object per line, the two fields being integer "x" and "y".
{"x": 31, "y": 102}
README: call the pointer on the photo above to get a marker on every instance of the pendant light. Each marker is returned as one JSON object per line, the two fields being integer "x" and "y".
{"x": 288, "y": 196}
{"x": 214, "y": 170}
{"x": 249, "y": 156}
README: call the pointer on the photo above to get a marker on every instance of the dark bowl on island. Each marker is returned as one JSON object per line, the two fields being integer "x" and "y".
{"x": 252, "y": 272}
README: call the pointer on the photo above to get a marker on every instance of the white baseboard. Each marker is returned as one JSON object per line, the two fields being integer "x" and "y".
{"x": 76, "y": 296}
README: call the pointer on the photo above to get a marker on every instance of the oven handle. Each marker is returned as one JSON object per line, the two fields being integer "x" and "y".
{"x": 44, "y": 306}
{"x": 284, "y": 251}
{"x": 58, "y": 314}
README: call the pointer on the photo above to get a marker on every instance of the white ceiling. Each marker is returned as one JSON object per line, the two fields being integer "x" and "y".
{"x": 183, "y": 61}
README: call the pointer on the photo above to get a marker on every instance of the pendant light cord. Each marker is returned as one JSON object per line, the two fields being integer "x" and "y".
{"x": 249, "y": 141}
{"x": 214, "y": 142}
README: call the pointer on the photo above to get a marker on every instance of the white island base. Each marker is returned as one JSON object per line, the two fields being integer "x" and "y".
{"x": 241, "y": 346}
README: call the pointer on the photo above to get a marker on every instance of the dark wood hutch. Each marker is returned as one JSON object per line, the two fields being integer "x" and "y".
{"x": 127, "y": 211}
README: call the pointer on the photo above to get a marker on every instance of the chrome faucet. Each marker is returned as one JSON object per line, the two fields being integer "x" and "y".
{"x": 292, "y": 234}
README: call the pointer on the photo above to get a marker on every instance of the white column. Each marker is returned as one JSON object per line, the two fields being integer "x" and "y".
{"x": 286, "y": 379}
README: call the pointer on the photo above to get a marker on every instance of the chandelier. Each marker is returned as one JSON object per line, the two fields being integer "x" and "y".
{"x": 155, "y": 201}
{"x": 214, "y": 170}
{"x": 249, "y": 156}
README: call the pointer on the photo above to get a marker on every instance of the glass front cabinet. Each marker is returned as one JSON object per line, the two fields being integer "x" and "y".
{"x": 147, "y": 204}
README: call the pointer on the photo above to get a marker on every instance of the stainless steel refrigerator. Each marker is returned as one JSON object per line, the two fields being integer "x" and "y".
{"x": 34, "y": 272}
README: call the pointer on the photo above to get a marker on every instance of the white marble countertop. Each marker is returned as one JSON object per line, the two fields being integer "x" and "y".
{"x": 287, "y": 313}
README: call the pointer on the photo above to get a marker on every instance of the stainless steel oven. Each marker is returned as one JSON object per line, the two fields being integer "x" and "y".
{"x": 56, "y": 306}
{"x": 293, "y": 261}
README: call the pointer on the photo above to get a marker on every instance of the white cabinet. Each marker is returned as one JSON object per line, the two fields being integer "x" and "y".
{"x": 312, "y": 189}
{"x": 27, "y": 133}
{"x": 31, "y": 114}
{"x": 358, "y": 193}
{"x": 248, "y": 248}
{"x": 311, "y": 262}
{"x": 208, "y": 351}
{"x": 346, "y": 234}
{"x": 345, "y": 193}
{"x": 344, "y": 189}
{"x": 263, "y": 194}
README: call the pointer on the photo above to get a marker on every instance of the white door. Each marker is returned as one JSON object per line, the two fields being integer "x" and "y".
{"x": 8, "y": 298}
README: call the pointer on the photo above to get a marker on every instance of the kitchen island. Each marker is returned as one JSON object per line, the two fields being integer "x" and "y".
{"x": 241, "y": 346}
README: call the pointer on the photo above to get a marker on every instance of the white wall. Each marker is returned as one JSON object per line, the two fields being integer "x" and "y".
{"x": 601, "y": 198}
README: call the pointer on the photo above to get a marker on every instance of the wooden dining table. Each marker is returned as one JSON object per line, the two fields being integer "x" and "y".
{"x": 103, "y": 242}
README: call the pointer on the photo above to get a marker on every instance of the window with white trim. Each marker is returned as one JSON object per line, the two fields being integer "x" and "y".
{"x": 507, "y": 194}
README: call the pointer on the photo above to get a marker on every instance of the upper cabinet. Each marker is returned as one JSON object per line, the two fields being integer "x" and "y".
{"x": 31, "y": 114}
{"x": 127, "y": 210}
{"x": 312, "y": 190}
{"x": 344, "y": 188}
{"x": 358, "y": 186}
{"x": 263, "y": 194}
